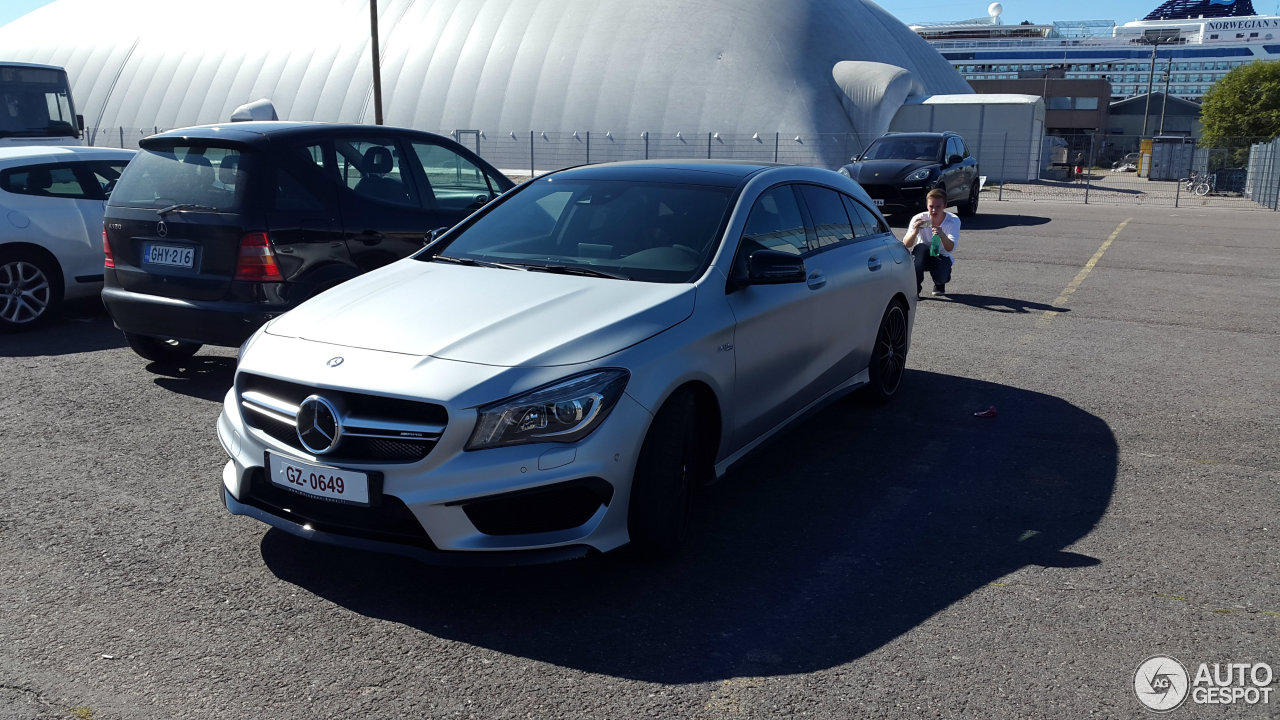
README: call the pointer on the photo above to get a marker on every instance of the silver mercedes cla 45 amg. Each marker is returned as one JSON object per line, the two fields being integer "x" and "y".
{"x": 558, "y": 373}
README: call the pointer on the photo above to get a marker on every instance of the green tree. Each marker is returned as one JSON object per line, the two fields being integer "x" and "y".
{"x": 1244, "y": 106}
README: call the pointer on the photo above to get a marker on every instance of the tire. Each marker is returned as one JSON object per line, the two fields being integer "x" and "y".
{"x": 162, "y": 350}
{"x": 30, "y": 290}
{"x": 889, "y": 356}
{"x": 1201, "y": 189}
{"x": 662, "y": 488}
{"x": 970, "y": 208}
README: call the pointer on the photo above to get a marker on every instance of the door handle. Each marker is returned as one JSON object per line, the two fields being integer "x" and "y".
{"x": 873, "y": 263}
{"x": 816, "y": 280}
{"x": 370, "y": 237}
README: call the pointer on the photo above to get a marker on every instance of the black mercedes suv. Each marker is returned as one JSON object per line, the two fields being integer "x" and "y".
{"x": 213, "y": 230}
{"x": 898, "y": 169}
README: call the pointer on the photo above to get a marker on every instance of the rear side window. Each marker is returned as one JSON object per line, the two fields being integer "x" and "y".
{"x": 44, "y": 180}
{"x": 210, "y": 178}
{"x": 865, "y": 222}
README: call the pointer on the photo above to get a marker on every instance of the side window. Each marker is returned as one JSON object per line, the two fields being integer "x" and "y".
{"x": 865, "y": 222}
{"x": 102, "y": 174}
{"x": 375, "y": 170}
{"x": 829, "y": 218}
{"x": 45, "y": 180}
{"x": 775, "y": 223}
{"x": 955, "y": 147}
{"x": 456, "y": 182}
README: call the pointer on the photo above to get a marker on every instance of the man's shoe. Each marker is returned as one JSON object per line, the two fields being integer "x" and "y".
{"x": 939, "y": 289}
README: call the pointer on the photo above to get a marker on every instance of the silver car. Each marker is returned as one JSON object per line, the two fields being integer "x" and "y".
{"x": 558, "y": 373}
{"x": 51, "y": 205}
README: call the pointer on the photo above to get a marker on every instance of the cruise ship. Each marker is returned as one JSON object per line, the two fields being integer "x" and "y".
{"x": 1194, "y": 42}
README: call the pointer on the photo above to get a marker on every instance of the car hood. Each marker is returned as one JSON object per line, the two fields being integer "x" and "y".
{"x": 506, "y": 318}
{"x": 879, "y": 171}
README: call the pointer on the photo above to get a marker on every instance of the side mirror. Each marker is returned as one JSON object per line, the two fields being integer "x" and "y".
{"x": 79, "y": 125}
{"x": 773, "y": 267}
{"x": 434, "y": 235}
{"x": 954, "y": 159}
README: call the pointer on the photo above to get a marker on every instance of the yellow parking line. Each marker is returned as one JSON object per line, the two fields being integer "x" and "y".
{"x": 1072, "y": 286}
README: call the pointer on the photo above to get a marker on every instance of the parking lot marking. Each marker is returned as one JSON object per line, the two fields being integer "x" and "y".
{"x": 1072, "y": 286}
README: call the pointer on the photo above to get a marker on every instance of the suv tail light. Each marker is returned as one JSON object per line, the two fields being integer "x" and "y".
{"x": 257, "y": 262}
{"x": 107, "y": 260}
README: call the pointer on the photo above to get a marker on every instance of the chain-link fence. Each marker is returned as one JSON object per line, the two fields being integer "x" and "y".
{"x": 1241, "y": 173}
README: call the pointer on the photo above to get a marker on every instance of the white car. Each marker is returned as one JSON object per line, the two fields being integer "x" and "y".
{"x": 558, "y": 373}
{"x": 51, "y": 205}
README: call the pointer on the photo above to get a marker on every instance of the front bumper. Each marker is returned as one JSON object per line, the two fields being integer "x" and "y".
{"x": 909, "y": 198}
{"x": 523, "y": 504}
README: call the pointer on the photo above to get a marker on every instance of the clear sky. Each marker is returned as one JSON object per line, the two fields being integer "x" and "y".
{"x": 917, "y": 11}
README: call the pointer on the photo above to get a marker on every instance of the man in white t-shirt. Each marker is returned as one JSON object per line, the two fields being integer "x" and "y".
{"x": 935, "y": 223}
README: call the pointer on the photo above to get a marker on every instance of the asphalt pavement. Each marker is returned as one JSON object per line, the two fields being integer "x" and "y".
{"x": 913, "y": 560}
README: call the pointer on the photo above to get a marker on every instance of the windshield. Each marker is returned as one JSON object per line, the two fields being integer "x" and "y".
{"x": 35, "y": 102}
{"x": 904, "y": 149}
{"x": 191, "y": 177}
{"x": 646, "y": 231}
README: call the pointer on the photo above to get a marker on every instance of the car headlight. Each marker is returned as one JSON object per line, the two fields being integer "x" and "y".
{"x": 565, "y": 411}
{"x": 920, "y": 175}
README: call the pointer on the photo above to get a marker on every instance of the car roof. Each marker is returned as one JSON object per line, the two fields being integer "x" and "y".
{"x": 257, "y": 132}
{"x": 11, "y": 155}
{"x": 726, "y": 173}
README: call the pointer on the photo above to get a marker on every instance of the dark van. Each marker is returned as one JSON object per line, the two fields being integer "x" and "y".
{"x": 213, "y": 230}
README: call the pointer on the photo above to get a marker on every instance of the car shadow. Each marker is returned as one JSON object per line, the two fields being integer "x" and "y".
{"x": 997, "y": 304}
{"x": 995, "y": 221}
{"x": 208, "y": 377}
{"x": 81, "y": 326}
{"x": 854, "y": 528}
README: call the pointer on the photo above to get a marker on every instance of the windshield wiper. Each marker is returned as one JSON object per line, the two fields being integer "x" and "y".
{"x": 472, "y": 262}
{"x": 182, "y": 207}
{"x": 576, "y": 270}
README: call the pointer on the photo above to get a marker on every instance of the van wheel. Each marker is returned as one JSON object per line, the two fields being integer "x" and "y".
{"x": 30, "y": 290}
{"x": 662, "y": 488}
{"x": 970, "y": 207}
{"x": 165, "y": 351}
{"x": 889, "y": 356}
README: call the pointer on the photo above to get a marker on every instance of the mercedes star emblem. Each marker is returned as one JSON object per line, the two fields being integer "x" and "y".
{"x": 335, "y": 361}
{"x": 161, "y": 229}
{"x": 319, "y": 425}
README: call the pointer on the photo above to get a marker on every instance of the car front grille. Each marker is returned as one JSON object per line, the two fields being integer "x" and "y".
{"x": 376, "y": 429}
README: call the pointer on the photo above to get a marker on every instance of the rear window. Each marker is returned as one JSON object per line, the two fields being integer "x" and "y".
{"x": 210, "y": 178}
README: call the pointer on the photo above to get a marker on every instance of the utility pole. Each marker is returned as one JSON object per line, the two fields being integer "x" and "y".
{"x": 377, "y": 63}
{"x": 1164, "y": 101}
{"x": 1151, "y": 77}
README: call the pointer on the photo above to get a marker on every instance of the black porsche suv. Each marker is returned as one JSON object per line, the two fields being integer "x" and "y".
{"x": 213, "y": 230}
{"x": 898, "y": 169}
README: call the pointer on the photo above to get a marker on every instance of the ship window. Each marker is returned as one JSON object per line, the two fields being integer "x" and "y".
{"x": 1213, "y": 36}
{"x": 1253, "y": 35}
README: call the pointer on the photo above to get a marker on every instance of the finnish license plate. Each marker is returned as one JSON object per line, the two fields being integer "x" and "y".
{"x": 170, "y": 255}
{"x": 878, "y": 201}
{"x": 321, "y": 481}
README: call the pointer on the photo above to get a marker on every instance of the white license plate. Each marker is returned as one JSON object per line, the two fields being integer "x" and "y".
{"x": 171, "y": 255}
{"x": 320, "y": 481}
{"x": 878, "y": 201}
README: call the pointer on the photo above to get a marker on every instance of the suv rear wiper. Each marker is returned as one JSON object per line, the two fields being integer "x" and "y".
{"x": 576, "y": 270}
{"x": 181, "y": 207}
{"x": 472, "y": 262}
